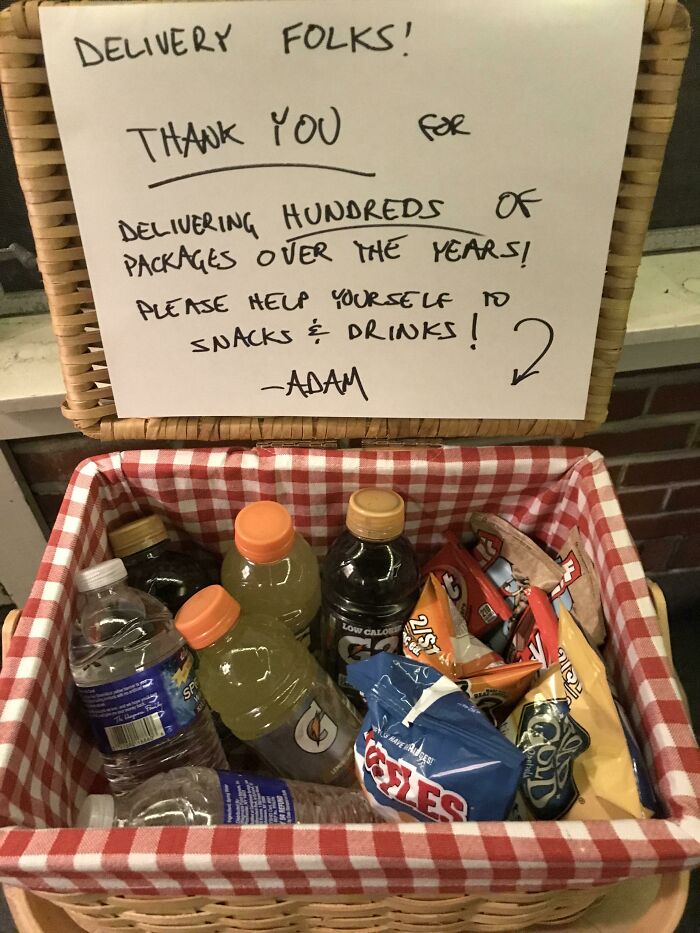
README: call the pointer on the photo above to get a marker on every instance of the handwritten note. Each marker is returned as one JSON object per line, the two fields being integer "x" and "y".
{"x": 369, "y": 208}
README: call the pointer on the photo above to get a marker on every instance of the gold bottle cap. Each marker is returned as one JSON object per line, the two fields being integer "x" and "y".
{"x": 375, "y": 514}
{"x": 137, "y": 536}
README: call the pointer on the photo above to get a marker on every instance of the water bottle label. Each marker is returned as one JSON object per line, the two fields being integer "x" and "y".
{"x": 144, "y": 707}
{"x": 255, "y": 799}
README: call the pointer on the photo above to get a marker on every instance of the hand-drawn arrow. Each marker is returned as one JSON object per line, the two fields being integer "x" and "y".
{"x": 530, "y": 370}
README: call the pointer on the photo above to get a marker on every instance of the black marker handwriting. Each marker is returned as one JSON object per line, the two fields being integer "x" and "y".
{"x": 241, "y": 168}
{"x": 180, "y": 307}
{"x": 308, "y": 384}
{"x": 297, "y": 217}
{"x": 301, "y": 236}
{"x": 240, "y": 338}
{"x": 354, "y": 39}
{"x": 173, "y": 41}
{"x": 187, "y": 225}
{"x": 169, "y": 140}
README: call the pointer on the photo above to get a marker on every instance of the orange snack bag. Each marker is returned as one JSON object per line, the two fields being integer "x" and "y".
{"x": 496, "y": 690}
{"x": 436, "y": 634}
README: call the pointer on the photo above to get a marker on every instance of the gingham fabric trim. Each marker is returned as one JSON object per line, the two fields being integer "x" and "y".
{"x": 46, "y": 758}
{"x": 404, "y": 858}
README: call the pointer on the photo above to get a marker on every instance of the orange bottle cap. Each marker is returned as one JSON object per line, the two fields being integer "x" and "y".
{"x": 206, "y": 616}
{"x": 375, "y": 514}
{"x": 264, "y": 532}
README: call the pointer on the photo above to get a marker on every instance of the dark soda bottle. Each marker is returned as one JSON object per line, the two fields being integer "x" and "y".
{"x": 155, "y": 566}
{"x": 370, "y": 584}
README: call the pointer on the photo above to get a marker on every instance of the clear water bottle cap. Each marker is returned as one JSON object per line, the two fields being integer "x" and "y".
{"x": 97, "y": 810}
{"x": 101, "y": 575}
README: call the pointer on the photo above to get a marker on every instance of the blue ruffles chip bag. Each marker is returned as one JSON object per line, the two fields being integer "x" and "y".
{"x": 425, "y": 752}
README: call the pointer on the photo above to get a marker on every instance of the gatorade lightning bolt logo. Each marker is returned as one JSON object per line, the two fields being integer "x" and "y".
{"x": 315, "y": 732}
{"x": 352, "y": 648}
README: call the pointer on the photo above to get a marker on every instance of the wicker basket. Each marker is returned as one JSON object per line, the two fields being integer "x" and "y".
{"x": 90, "y": 405}
{"x": 397, "y": 914}
{"x": 415, "y": 877}
{"x": 628, "y": 907}
{"x": 89, "y": 402}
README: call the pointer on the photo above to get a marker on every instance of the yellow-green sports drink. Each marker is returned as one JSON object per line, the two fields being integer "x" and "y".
{"x": 272, "y": 570}
{"x": 269, "y": 690}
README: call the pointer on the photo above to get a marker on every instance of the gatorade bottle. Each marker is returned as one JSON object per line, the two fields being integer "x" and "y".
{"x": 370, "y": 584}
{"x": 269, "y": 690}
{"x": 202, "y": 797}
{"x": 154, "y": 566}
{"x": 271, "y": 569}
{"x": 137, "y": 681}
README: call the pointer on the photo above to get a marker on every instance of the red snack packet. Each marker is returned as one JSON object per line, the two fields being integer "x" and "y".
{"x": 475, "y": 597}
{"x": 437, "y": 635}
{"x": 536, "y": 637}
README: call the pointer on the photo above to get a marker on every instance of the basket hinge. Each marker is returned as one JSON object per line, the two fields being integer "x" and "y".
{"x": 400, "y": 443}
{"x": 288, "y": 443}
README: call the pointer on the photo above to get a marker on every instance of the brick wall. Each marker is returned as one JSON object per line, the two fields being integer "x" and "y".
{"x": 651, "y": 442}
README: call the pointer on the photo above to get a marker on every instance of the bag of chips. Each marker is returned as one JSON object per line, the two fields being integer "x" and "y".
{"x": 577, "y": 762}
{"x": 436, "y": 634}
{"x": 474, "y": 596}
{"x": 513, "y": 562}
{"x": 578, "y": 590}
{"x": 536, "y": 636}
{"x": 645, "y": 788}
{"x": 496, "y": 691}
{"x": 426, "y": 753}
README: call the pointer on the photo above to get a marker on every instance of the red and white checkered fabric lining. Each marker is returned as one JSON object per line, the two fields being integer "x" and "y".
{"x": 46, "y": 757}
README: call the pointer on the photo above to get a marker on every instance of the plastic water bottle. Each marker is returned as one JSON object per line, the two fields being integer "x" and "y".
{"x": 202, "y": 797}
{"x": 269, "y": 690}
{"x": 272, "y": 570}
{"x": 136, "y": 678}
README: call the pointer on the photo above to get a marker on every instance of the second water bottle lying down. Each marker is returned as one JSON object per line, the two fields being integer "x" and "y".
{"x": 269, "y": 690}
{"x": 202, "y": 797}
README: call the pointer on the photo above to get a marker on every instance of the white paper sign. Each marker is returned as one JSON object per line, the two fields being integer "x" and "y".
{"x": 371, "y": 208}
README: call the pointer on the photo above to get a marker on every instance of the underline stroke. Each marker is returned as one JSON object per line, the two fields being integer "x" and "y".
{"x": 301, "y": 236}
{"x": 239, "y": 168}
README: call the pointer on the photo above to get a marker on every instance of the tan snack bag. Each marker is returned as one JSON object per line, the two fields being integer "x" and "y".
{"x": 578, "y": 590}
{"x": 578, "y": 765}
